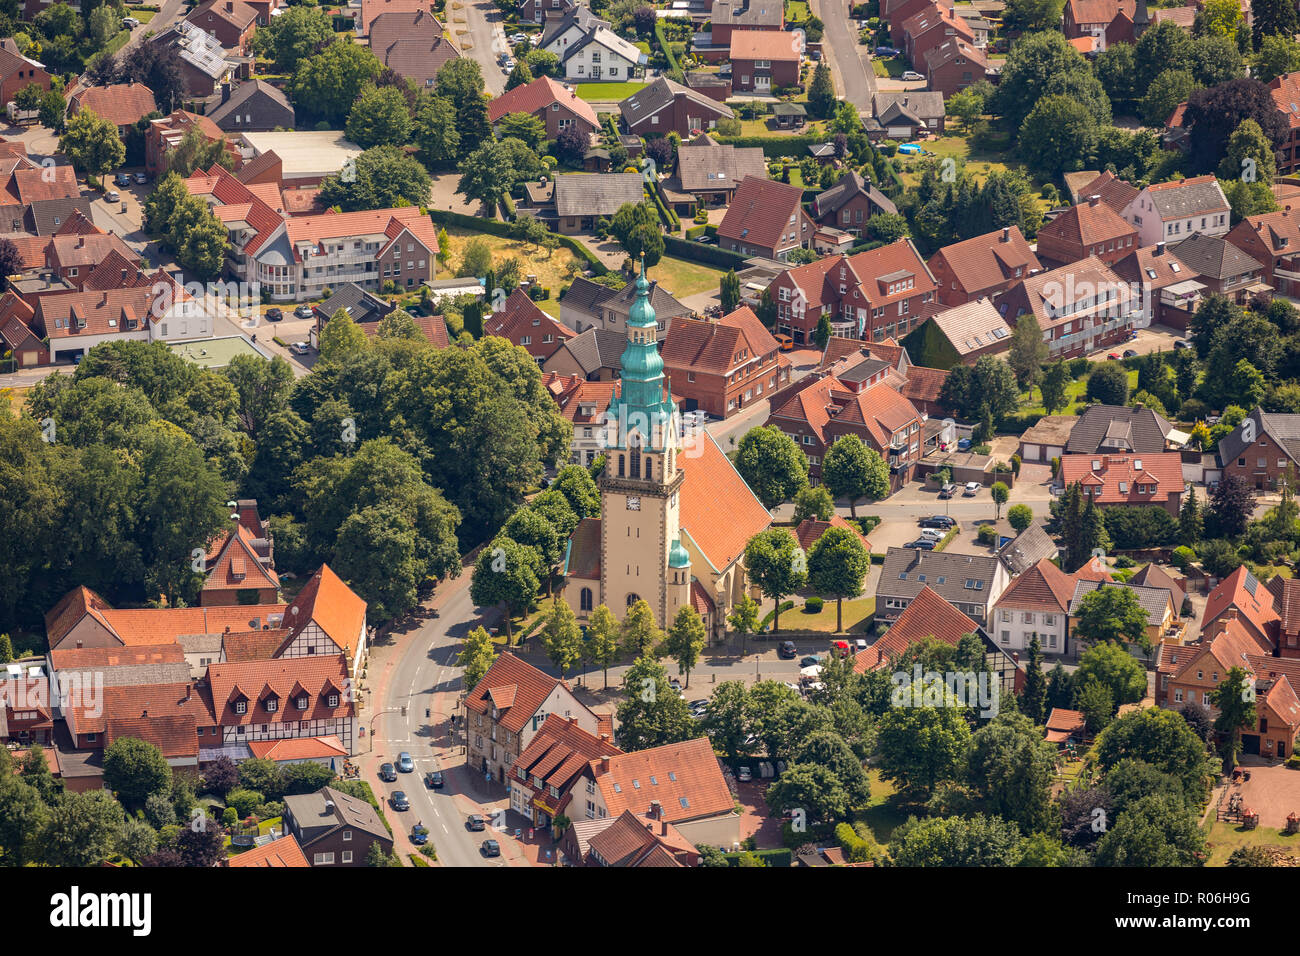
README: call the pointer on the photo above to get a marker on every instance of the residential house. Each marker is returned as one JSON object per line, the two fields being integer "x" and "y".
{"x": 1272, "y": 239}
{"x": 1115, "y": 193}
{"x": 559, "y": 32}
{"x": 850, "y": 203}
{"x": 764, "y": 60}
{"x": 1223, "y": 267}
{"x": 684, "y": 779}
{"x": 232, "y": 22}
{"x": 1065, "y": 727}
{"x": 204, "y": 62}
{"x": 1081, "y": 307}
{"x": 1035, "y": 604}
{"x": 710, "y": 174}
{"x": 75, "y": 257}
{"x": 240, "y": 571}
{"x": 524, "y": 324}
{"x": 729, "y": 17}
{"x": 26, "y": 710}
{"x": 24, "y": 346}
{"x": 960, "y": 335}
{"x": 919, "y": 385}
{"x": 602, "y": 56}
{"x": 1089, "y": 229}
{"x": 722, "y": 366}
{"x": 506, "y": 708}
{"x": 629, "y": 840}
{"x": 176, "y": 718}
{"x": 17, "y": 72}
{"x": 547, "y": 11}
{"x": 1105, "y": 21}
{"x": 589, "y": 305}
{"x": 334, "y": 828}
{"x": 1126, "y": 480}
{"x": 327, "y": 617}
{"x": 413, "y": 45}
{"x": 1175, "y": 210}
{"x": 1242, "y": 595}
{"x": 1157, "y": 604}
{"x": 122, "y": 104}
{"x": 879, "y": 294}
{"x": 572, "y": 203}
{"x": 954, "y": 65}
{"x": 252, "y": 105}
{"x": 810, "y": 530}
{"x": 905, "y": 115}
{"x": 583, "y": 404}
{"x": 1285, "y": 91}
{"x": 543, "y": 776}
{"x": 594, "y": 355}
{"x": 857, "y": 402}
{"x": 929, "y": 28}
{"x": 662, "y": 107}
{"x": 284, "y": 852}
{"x": 983, "y": 266}
{"x": 1028, "y": 548}
{"x": 166, "y": 133}
{"x": 550, "y": 102}
{"x": 1154, "y": 269}
{"x": 1286, "y": 601}
{"x": 1263, "y": 450}
{"x": 1112, "y": 429}
{"x": 969, "y": 582}
{"x": 363, "y": 307}
{"x": 765, "y": 219}
{"x": 895, "y": 14}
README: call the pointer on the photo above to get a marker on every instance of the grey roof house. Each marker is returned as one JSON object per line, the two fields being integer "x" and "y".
{"x": 1113, "y": 428}
{"x": 333, "y": 828}
{"x": 252, "y": 106}
{"x": 971, "y": 583}
{"x": 1027, "y": 548}
{"x": 589, "y": 305}
{"x": 596, "y": 355}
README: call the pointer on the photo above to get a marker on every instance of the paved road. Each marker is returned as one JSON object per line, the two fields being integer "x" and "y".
{"x": 850, "y": 62}
{"x": 484, "y": 22}
{"x": 168, "y": 13}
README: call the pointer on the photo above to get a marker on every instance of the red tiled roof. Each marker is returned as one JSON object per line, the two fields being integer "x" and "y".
{"x": 736, "y": 339}
{"x": 868, "y": 278}
{"x": 1114, "y": 192}
{"x": 557, "y": 753}
{"x": 122, "y": 104}
{"x": 521, "y": 317}
{"x": 1044, "y": 587}
{"x": 514, "y": 679}
{"x": 237, "y": 566}
{"x": 573, "y": 393}
{"x": 775, "y": 45}
{"x": 985, "y": 262}
{"x": 79, "y": 658}
{"x": 284, "y": 852}
{"x": 539, "y": 95}
{"x": 760, "y": 212}
{"x": 115, "y": 271}
{"x": 1086, "y": 225}
{"x": 87, "y": 250}
{"x": 684, "y": 777}
{"x": 1162, "y": 472}
{"x": 928, "y": 615}
{"x": 810, "y": 531}
{"x": 718, "y": 511}
{"x": 333, "y": 606}
{"x": 318, "y": 677}
{"x": 1063, "y": 724}
{"x": 298, "y": 748}
{"x": 1247, "y": 594}
{"x": 259, "y": 645}
{"x": 136, "y": 707}
{"x": 46, "y": 182}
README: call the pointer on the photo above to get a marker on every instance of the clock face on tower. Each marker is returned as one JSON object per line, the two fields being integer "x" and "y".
{"x": 634, "y": 503}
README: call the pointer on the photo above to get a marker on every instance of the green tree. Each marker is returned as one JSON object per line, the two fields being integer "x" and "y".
{"x": 460, "y": 81}
{"x": 525, "y": 127}
{"x": 1028, "y": 351}
{"x": 1278, "y": 55}
{"x": 852, "y": 470}
{"x": 1033, "y": 699}
{"x": 134, "y": 769}
{"x": 1112, "y": 666}
{"x": 1273, "y": 18}
{"x": 1112, "y": 614}
{"x": 1055, "y": 380}
{"x": 639, "y": 633}
{"x": 521, "y": 75}
{"x": 1020, "y": 517}
{"x": 505, "y": 574}
{"x": 821, "y": 92}
{"x": 838, "y": 565}
{"x": 744, "y": 619}
{"x": 815, "y": 503}
{"x": 652, "y": 713}
{"x": 1153, "y": 832}
{"x": 486, "y": 174}
{"x": 729, "y": 292}
{"x": 1000, "y": 493}
{"x": 918, "y": 747}
{"x": 685, "y": 640}
{"x": 603, "y": 639}
{"x": 298, "y": 33}
{"x": 378, "y": 554}
{"x": 326, "y": 84}
{"x": 434, "y": 132}
{"x": 83, "y": 829}
{"x": 379, "y": 117}
{"x": 978, "y": 840}
{"x": 1249, "y": 156}
{"x": 1234, "y": 699}
{"x": 476, "y": 655}
{"x": 561, "y": 637}
{"x": 1108, "y": 384}
{"x": 92, "y": 143}
{"x": 1013, "y": 767}
{"x": 1161, "y": 738}
{"x": 812, "y": 788}
{"x": 341, "y": 337}
{"x": 777, "y": 566}
{"x": 381, "y": 178}
{"x": 1057, "y": 135}
{"x": 773, "y": 466}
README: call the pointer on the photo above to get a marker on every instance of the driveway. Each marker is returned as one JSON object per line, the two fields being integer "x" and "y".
{"x": 850, "y": 62}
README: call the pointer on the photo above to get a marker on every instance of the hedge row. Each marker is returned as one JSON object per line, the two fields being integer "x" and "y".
{"x": 664, "y": 46}
{"x": 709, "y": 255}
{"x": 781, "y": 857}
{"x": 445, "y": 217}
{"x": 774, "y": 146}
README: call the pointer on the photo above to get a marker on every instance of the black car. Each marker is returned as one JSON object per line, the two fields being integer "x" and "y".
{"x": 419, "y": 834}
{"x": 787, "y": 651}
{"x": 387, "y": 772}
{"x": 491, "y": 848}
{"x": 921, "y": 544}
{"x": 942, "y": 522}
{"x": 399, "y": 801}
{"x": 274, "y": 315}
{"x": 476, "y": 821}
{"x": 122, "y": 179}
{"x": 433, "y": 779}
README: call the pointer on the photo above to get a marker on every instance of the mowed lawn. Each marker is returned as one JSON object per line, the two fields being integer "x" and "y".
{"x": 1226, "y": 837}
{"x": 858, "y": 614}
{"x": 605, "y": 92}
{"x": 551, "y": 269}
{"x": 683, "y": 278}
{"x": 958, "y": 148}
{"x": 884, "y": 812}
{"x": 1032, "y": 403}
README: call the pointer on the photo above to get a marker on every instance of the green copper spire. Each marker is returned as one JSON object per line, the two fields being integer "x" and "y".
{"x": 643, "y": 404}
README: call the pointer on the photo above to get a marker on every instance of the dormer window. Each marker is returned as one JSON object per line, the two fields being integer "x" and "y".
{"x": 271, "y": 703}
{"x": 333, "y": 700}
{"x": 302, "y": 702}
{"x": 241, "y": 706}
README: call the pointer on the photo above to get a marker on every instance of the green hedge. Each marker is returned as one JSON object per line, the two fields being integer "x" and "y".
{"x": 709, "y": 255}
{"x": 781, "y": 857}
{"x": 492, "y": 227}
{"x": 694, "y": 232}
{"x": 775, "y": 146}
{"x": 665, "y": 46}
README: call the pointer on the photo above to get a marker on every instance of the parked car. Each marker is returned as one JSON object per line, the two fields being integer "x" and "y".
{"x": 299, "y": 348}
{"x": 810, "y": 661}
{"x": 963, "y": 444}
{"x": 130, "y": 23}
{"x": 948, "y": 490}
{"x": 419, "y": 834}
{"x": 509, "y": 64}
{"x": 938, "y": 521}
{"x": 744, "y": 774}
{"x": 519, "y": 38}
{"x": 786, "y": 651}
{"x": 404, "y": 762}
{"x": 433, "y": 779}
{"x": 886, "y": 51}
{"x": 1112, "y": 356}
{"x": 932, "y": 534}
{"x": 972, "y": 488}
{"x": 922, "y": 544}
{"x": 785, "y": 342}
{"x": 1180, "y": 344}
{"x": 841, "y": 647}
{"x": 476, "y": 821}
{"x": 1129, "y": 353}
{"x": 387, "y": 773}
{"x": 141, "y": 179}
{"x": 122, "y": 179}
{"x": 112, "y": 196}
{"x": 860, "y": 643}
{"x": 912, "y": 76}
{"x": 304, "y": 312}
{"x": 274, "y": 315}
{"x": 399, "y": 801}
{"x": 676, "y": 685}
{"x": 491, "y": 848}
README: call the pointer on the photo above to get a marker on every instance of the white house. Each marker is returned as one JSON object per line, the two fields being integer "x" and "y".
{"x": 1173, "y": 211}
{"x": 602, "y": 55}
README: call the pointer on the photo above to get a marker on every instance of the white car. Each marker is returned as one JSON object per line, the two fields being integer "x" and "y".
{"x": 130, "y": 22}
{"x": 912, "y": 75}
{"x": 972, "y": 487}
{"x": 519, "y": 38}
{"x": 299, "y": 348}
{"x": 744, "y": 774}
{"x": 932, "y": 534}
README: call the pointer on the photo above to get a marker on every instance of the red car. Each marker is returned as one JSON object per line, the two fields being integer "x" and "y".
{"x": 842, "y": 647}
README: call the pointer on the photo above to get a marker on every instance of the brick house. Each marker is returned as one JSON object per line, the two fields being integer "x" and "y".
{"x": 17, "y": 72}
{"x": 543, "y": 776}
{"x": 733, "y": 16}
{"x": 238, "y": 573}
{"x": 723, "y": 366}
{"x": 122, "y": 104}
{"x": 895, "y": 13}
{"x": 167, "y": 132}
{"x": 252, "y": 106}
{"x": 1222, "y": 266}
{"x": 1153, "y": 269}
{"x": 905, "y": 115}
{"x": 1089, "y": 229}
{"x": 505, "y": 710}
{"x": 1080, "y": 307}
{"x": 1126, "y": 480}
{"x": 954, "y": 65}
{"x": 983, "y": 266}
{"x": 1285, "y": 91}
{"x": 881, "y": 293}
{"x": 333, "y": 828}
{"x": 929, "y": 28}
{"x": 232, "y": 22}
{"x": 1273, "y": 239}
{"x": 662, "y": 107}
{"x": 550, "y": 102}
{"x": 413, "y": 45}
{"x": 1096, "y": 19}
{"x": 1272, "y": 453}
{"x": 850, "y": 203}
{"x": 1243, "y": 596}
{"x": 766, "y": 219}
{"x": 583, "y": 404}
{"x": 764, "y": 60}
{"x": 860, "y": 404}
{"x": 522, "y": 323}
{"x": 960, "y": 335}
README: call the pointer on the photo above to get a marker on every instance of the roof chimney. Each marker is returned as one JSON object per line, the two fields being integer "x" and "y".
{"x": 1006, "y": 233}
{"x": 225, "y": 92}
{"x": 1160, "y": 248}
{"x": 604, "y": 764}
{"x": 329, "y": 805}
{"x": 663, "y": 827}
{"x": 656, "y": 810}
{"x": 1093, "y": 200}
